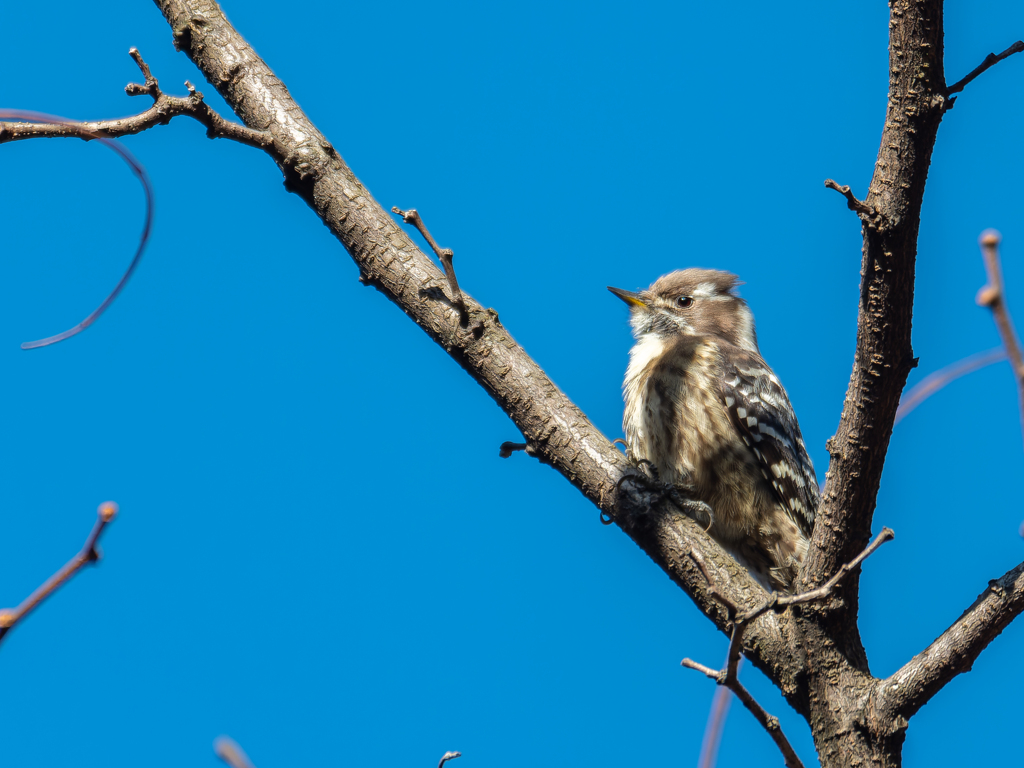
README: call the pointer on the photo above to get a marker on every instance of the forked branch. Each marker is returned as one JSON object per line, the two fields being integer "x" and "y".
{"x": 769, "y": 722}
{"x": 728, "y": 676}
{"x": 164, "y": 109}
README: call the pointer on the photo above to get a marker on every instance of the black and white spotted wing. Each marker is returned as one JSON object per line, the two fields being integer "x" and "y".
{"x": 761, "y": 412}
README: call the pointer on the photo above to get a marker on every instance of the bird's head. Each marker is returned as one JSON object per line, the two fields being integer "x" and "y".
{"x": 694, "y": 302}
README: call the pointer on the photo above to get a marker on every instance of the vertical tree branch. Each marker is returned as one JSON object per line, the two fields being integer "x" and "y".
{"x": 883, "y": 356}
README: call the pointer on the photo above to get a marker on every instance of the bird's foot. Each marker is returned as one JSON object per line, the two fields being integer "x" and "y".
{"x": 682, "y": 493}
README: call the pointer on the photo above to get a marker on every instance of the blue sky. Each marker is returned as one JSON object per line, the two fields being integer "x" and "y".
{"x": 319, "y": 551}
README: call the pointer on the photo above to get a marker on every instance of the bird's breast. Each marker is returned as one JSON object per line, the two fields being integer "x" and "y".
{"x": 674, "y": 416}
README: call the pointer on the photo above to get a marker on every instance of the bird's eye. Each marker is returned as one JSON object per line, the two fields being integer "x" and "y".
{"x": 683, "y": 302}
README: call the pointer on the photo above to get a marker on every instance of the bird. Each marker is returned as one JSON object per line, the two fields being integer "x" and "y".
{"x": 708, "y": 415}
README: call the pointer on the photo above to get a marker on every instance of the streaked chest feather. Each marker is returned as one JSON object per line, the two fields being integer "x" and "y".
{"x": 674, "y": 416}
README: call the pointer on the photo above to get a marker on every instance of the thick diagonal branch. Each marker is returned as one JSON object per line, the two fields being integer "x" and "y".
{"x": 953, "y": 653}
{"x": 558, "y": 432}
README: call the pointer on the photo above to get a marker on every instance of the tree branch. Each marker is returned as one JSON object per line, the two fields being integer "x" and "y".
{"x": 164, "y": 109}
{"x": 883, "y": 356}
{"x": 729, "y": 675}
{"x": 445, "y": 255}
{"x": 88, "y": 554}
{"x": 768, "y": 722}
{"x": 861, "y": 208}
{"x": 989, "y": 61}
{"x": 781, "y": 602}
{"x": 953, "y": 653}
{"x": 147, "y": 226}
{"x": 991, "y": 296}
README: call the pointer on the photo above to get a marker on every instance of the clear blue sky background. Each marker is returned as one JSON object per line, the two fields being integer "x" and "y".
{"x": 319, "y": 551}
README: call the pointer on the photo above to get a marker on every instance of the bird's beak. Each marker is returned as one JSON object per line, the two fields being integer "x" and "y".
{"x": 631, "y": 298}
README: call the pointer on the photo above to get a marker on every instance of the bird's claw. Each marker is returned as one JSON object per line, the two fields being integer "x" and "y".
{"x": 677, "y": 492}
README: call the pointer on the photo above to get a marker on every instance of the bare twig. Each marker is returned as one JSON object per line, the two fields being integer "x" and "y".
{"x": 990, "y": 60}
{"x": 718, "y": 675}
{"x": 507, "y": 448}
{"x": 39, "y": 125}
{"x": 228, "y": 750}
{"x": 953, "y": 652}
{"x": 448, "y": 756}
{"x": 991, "y": 296}
{"x": 781, "y": 602}
{"x": 151, "y": 86}
{"x": 147, "y": 189}
{"x": 163, "y": 110}
{"x": 727, "y": 677}
{"x": 88, "y": 554}
{"x": 444, "y": 254}
{"x": 933, "y": 382}
{"x": 861, "y": 208}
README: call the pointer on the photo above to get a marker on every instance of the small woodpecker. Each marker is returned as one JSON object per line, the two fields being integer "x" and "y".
{"x": 705, "y": 410}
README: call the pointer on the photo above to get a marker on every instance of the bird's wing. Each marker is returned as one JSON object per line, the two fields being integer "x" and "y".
{"x": 763, "y": 417}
